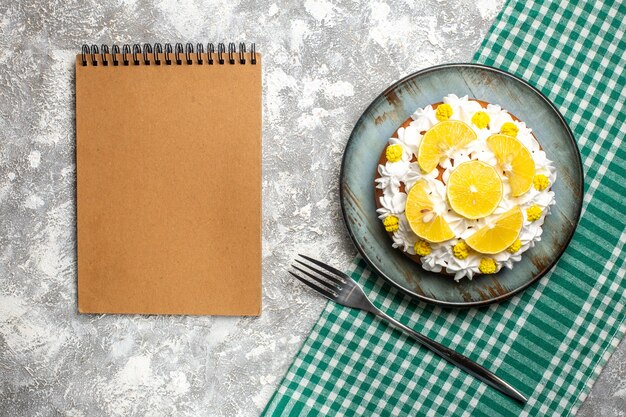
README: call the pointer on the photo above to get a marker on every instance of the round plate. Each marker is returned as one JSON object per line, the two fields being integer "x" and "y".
{"x": 394, "y": 106}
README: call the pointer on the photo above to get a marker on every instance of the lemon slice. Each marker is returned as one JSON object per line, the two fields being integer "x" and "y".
{"x": 474, "y": 189}
{"x": 423, "y": 220}
{"x": 440, "y": 140}
{"x": 515, "y": 161}
{"x": 494, "y": 239}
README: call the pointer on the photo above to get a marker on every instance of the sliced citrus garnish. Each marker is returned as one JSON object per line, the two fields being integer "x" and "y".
{"x": 440, "y": 140}
{"x": 474, "y": 189}
{"x": 422, "y": 218}
{"x": 515, "y": 160}
{"x": 499, "y": 236}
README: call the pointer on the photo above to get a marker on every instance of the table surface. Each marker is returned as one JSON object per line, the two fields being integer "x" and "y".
{"x": 323, "y": 64}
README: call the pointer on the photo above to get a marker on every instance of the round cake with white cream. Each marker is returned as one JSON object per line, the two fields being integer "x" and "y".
{"x": 463, "y": 187}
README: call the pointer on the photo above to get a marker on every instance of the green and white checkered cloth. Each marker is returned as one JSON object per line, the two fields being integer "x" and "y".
{"x": 552, "y": 340}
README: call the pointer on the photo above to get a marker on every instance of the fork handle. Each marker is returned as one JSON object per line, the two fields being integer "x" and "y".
{"x": 457, "y": 359}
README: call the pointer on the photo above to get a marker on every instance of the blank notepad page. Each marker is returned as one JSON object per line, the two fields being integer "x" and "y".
{"x": 168, "y": 184}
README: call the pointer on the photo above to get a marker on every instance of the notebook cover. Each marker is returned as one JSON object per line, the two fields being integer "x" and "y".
{"x": 168, "y": 162}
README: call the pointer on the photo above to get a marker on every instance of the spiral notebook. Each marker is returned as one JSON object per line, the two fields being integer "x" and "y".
{"x": 168, "y": 161}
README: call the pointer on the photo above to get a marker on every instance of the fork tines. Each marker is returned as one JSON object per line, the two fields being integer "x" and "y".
{"x": 325, "y": 279}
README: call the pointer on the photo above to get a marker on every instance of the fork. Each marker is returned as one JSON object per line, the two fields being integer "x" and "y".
{"x": 340, "y": 288}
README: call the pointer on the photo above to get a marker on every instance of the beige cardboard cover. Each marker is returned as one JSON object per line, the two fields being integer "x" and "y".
{"x": 169, "y": 188}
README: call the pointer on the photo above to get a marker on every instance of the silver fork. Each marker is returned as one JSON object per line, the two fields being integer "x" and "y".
{"x": 340, "y": 288}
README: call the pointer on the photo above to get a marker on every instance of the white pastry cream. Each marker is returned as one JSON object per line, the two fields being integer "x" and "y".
{"x": 393, "y": 174}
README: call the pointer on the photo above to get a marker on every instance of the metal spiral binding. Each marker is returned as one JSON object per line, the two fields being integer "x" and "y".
{"x": 188, "y": 52}
{"x": 220, "y": 52}
{"x": 94, "y": 52}
{"x": 242, "y": 53}
{"x": 84, "y": 53}
{"x": 103, "y": 54}
{"x": 115, "y": 50}
{"x": 168, "y": 51}
{"x": 125, "y": 52}
{"x": 158, "y": 49}
{"x": 210, "y": 52}
{"x": 178, "y": 49}
{"x": 231, "y": 53}
{"x": 147, "y": 49}
{"x": 152, "y": 54}
{"x": 199, "y": 52}
{"x": 136, "y": 51}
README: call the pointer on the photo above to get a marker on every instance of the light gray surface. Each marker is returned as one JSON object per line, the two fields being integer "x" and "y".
{"x": 324, "y": 62}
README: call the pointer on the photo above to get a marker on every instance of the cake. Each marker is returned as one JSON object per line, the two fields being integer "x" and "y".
{"x": 463, "y": 188}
